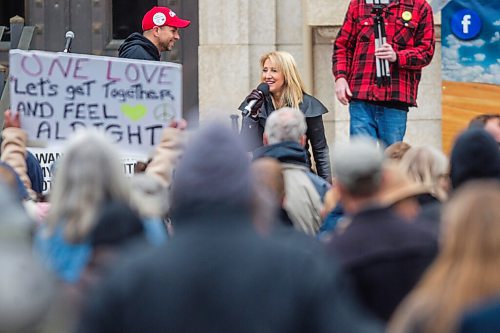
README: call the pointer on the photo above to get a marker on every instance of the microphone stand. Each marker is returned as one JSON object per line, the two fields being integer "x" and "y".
{"x": 70, "y": 35}
{"x": 381, "y": 65}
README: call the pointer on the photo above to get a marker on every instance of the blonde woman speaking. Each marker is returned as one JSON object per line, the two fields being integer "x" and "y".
{"x": 284, "y": 88}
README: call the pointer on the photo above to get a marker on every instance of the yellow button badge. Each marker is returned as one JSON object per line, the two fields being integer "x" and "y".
{"x": 406, "y": 16}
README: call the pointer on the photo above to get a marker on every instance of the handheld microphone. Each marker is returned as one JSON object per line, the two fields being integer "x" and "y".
{"x": 264, "y": 89}
{"x": 69, "y": 38}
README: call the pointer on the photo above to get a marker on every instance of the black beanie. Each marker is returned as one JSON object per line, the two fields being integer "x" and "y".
{"x": 116, "y": 224}
{"x": 475, "y": 155}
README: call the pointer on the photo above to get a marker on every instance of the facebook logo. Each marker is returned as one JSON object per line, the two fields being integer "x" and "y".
{"x": 466, "y": 24}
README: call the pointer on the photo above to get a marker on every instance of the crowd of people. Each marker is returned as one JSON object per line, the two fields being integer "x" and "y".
{"x": 247, "y": 231}
{"x": 208, "y": 238}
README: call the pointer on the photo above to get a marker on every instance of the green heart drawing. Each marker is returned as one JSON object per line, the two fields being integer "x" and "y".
{"x": 134, "y": 113}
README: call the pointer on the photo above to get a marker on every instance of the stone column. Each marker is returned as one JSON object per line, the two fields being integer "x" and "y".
{"x": 233, "y": 34}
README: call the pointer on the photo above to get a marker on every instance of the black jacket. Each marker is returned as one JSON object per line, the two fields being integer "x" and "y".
{"x": 385, "y": 256}
{"x": 252, "y": 131}
{"x": 136, "y": 46}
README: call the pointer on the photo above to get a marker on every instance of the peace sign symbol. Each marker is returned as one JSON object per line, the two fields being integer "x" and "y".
{"x": 164, "y": 112}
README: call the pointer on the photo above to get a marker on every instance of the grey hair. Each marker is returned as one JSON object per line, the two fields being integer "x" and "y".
{"x": 285, "y": 124}
{"x": 90, "y": 173}
{"x": 358, "y": 166}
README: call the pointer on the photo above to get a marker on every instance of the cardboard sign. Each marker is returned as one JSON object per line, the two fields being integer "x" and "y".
{"x": 47, "y": 157}
{"x": 59, "y": 93}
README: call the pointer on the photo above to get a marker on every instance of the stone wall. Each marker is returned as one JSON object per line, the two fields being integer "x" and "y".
{"x": 235, "y": 33}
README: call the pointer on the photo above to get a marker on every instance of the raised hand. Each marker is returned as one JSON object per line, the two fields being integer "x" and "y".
{"x": 11, "y": 120}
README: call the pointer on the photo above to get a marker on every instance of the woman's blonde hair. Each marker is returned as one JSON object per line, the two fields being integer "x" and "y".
{"x": 293, "y": 87}
{"x": 465, "y": 272}
{"x": 90, "y": 174}
{"x": 396, "y": 151}
{"x": 427, "y": 165}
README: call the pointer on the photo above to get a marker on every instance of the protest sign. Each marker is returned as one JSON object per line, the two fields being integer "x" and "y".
{"x": 59, "y": 93}
{"x": 47, "y": 157}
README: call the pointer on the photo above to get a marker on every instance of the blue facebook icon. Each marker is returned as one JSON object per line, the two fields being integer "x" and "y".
{"x": 466, "y": 24}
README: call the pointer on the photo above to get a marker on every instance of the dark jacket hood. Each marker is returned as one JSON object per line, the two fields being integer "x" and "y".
{"x": 136, "y": 46}
{"x": 212, "y": 177}
{"x": 285, "y": 152}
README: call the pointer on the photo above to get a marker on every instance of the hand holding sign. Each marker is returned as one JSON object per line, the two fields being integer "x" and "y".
{"x": 179, "y": 124}
{"x": 11, "y": 120}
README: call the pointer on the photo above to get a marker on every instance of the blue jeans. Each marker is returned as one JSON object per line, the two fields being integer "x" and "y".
{"x": 385, "y": 124}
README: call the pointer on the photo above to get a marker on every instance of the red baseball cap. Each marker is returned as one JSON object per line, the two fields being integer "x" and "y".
{"x": 162, "y": 16}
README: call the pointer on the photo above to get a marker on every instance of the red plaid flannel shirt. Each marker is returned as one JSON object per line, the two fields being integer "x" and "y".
{"x": 413, "y": 40}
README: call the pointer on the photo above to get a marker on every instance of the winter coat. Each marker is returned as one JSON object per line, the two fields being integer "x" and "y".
{"x": 304, "y": 190}
{"x": 384, "y": 255}
{"x": 293, "y": 153}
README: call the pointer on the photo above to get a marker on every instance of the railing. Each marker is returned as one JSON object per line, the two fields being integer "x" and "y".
{"x": 20, "y": 38}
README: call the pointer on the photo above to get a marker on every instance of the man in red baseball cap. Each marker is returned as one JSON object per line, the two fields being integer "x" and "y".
{"x": 160, "y": 27}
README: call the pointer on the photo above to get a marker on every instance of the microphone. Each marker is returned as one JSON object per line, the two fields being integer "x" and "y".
{"x": 69, "y": 38}
{"x": 262, "y": 88}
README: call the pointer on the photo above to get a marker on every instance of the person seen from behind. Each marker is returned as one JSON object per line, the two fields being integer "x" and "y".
{"x": 464, "y": 273}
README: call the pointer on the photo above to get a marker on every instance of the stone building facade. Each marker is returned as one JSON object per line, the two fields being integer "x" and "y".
{"x": 235, "y": 33}
{"x": 220, "y": 51}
